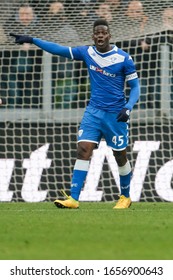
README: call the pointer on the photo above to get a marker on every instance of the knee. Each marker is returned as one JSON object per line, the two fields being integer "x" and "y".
{"x": 120, "y": 157}
{"x": 84, "y": 151}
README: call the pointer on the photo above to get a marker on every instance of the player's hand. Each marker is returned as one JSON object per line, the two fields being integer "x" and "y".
{"x": 123, "y": 115}
{"x": 20, "y": 39}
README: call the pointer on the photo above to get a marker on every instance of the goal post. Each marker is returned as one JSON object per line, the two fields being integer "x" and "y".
{"x": 45, "y": 97}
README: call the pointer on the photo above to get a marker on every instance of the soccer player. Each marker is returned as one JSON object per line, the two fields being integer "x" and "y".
{"x": 107, "y": 114}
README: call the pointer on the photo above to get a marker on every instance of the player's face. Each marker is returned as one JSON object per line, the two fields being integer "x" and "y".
{"x": 101, "y": 37}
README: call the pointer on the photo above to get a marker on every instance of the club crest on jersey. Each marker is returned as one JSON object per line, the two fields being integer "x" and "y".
{"x": 80, "y": 132}
{"x": 113, "y": 59}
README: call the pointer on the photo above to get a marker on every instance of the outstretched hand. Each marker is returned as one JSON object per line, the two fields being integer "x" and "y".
{"x": 20, "y": 39}
{"x": 123, "y": 115}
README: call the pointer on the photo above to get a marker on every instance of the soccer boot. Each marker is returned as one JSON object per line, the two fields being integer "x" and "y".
{"x": 67, "y": 203}
{"x": 123, "y": 202}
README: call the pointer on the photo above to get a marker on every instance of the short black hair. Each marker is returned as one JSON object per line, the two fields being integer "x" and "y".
{"x": 100, "y": 22}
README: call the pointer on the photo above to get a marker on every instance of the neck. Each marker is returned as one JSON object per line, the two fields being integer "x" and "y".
{"x": 104, "y": 50}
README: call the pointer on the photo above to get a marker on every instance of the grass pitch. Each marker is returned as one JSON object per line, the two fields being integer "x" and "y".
{"x": 40, "y": 231}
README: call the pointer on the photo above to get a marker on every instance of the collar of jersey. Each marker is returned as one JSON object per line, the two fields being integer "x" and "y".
{"x": 114, "y": 48}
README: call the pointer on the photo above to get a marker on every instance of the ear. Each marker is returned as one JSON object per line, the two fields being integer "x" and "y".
{"x": 110, "y": 35}
{"x": 92, "y": 36}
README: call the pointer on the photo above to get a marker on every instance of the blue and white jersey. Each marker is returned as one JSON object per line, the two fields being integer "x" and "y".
{"x": 108, "y": 73}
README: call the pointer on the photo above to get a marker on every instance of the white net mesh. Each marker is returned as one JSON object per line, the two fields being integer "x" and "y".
{"x": 44, "y": 97}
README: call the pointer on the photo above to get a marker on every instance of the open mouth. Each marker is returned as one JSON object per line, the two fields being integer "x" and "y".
{"x": 100, "y": 43}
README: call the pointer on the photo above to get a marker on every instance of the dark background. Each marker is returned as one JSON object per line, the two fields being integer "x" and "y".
{"x": 19, "y": 140}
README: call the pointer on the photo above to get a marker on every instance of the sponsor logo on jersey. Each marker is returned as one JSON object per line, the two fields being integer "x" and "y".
{"x": 102, "y": 71}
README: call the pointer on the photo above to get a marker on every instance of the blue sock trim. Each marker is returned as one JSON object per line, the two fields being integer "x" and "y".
{"x": 78, "y": 179}
{"x": 125, "y": 184}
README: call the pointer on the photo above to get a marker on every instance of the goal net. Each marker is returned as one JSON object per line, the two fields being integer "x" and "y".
{"x": 44, "y": 97}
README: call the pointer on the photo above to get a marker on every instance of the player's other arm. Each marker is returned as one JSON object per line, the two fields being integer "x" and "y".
{"x": 50, "y": 47}
{"x": 133, "y": 82}
{"x": 124, "y": 114}
{"x": 134, "y": 93}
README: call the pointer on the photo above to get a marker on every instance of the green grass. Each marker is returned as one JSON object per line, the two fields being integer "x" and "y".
{"x": 40, "y": 231}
